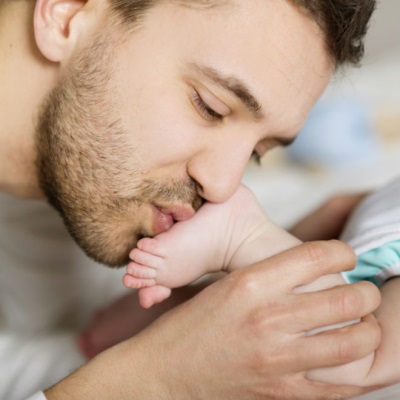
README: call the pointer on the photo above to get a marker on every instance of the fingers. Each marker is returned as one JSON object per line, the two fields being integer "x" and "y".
{"x": 304, "y": 263}
{"x": 338, "y": 346}
{"x": 338, "y": 304}
{"x": 314, "y": 390}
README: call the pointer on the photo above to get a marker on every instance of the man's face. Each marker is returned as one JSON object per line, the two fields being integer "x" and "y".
{"x": 145, "y": 126}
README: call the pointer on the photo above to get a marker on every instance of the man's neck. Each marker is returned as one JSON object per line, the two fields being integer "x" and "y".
{"x": 25, "y": 80}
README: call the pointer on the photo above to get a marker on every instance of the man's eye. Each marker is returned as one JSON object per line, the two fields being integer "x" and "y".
{"x": 256, "y": 157}
{"x": 204, "y": 109}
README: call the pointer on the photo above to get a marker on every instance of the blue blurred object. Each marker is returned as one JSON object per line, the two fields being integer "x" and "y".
{"x": 339, "y": 132}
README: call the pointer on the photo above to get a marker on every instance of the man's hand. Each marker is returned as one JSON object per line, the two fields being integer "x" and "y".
{"x": 243, "y": 337}
{"x": 327, "y": 221}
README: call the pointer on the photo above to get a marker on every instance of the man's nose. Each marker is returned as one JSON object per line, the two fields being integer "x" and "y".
{"x": 219, "y": 175}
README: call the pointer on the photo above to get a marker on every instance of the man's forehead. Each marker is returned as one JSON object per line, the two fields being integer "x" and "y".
{"x": 264, "y": 51}
{"x": 204, "y": 3}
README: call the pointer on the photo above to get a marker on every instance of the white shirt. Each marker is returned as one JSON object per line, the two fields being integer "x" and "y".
{"x": 37, "y": 396}
{"x": 48, "y": 292}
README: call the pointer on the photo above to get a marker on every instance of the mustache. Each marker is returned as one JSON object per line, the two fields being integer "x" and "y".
{"x": 171, "y": 193}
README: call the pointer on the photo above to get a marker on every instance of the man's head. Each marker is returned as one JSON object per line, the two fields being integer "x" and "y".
{"x": 343, "y": 23}
{"x": 160, "y": 104}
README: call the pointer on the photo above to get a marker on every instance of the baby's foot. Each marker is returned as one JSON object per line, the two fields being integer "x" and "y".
{"x": 219, "y": 237}
{"x": 148, "y": 296}
{"x": 176, "y": 257}
{"x": 187, "y": 251}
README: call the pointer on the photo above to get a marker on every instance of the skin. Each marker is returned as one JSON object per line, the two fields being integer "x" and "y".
{"x": 271, "y": 371}
{"x": 233, "y": 235}
{"x": 105, "y": 192}
{"x": 115, "y": 165}
{"x": 330, "y": 218}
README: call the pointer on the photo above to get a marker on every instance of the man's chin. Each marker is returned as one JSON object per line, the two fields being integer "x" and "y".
{"x": 110, "y": 259}
{"x": 111, "y": 253}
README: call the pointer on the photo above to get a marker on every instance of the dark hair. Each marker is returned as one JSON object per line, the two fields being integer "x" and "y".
{"x": 344, "y": 23}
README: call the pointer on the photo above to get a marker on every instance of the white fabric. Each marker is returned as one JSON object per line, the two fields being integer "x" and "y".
{"x": 376, "y": 221}
{"x": 37, "y": 396}
{"x": 48, "y": 291}
{"x": 387, "y": 273}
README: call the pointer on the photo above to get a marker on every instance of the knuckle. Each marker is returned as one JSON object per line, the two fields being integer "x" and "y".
{"x": 247, "y": 285}
{"x": 354, "y": 301}
{"x": 347, "y": 350}
{"x": 316, "y": 252}
{"x": 263, "y": 321}
{"x": 348, "y": 303}
{"x": 268, "y": 362}
{"x": 327, "y": 252}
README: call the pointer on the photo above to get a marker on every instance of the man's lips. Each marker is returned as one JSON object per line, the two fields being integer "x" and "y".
{"x": 165, "y": 217}
{"x": 178, "y": 213}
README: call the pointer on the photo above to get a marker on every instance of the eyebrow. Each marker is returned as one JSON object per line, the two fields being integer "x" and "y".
{"x": 234, "y": 85}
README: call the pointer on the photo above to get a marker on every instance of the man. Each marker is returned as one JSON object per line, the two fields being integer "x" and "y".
{"x": 143, "y": 110}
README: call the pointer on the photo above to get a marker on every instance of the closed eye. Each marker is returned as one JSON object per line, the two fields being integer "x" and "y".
{"x": 256, "y": 157}
{"x": 204, "y": 109}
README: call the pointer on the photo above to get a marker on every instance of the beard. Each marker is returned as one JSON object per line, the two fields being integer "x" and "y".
{"x": 84, "y": 163}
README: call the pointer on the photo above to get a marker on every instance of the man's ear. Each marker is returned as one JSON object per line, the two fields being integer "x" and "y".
{"x": 52, "y": 25}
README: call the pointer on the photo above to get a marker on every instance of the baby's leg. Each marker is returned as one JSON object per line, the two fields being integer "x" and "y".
{"x": 113, "y": 324}
{"x": 177, "y": 257}
{"x": 219, "y": 237}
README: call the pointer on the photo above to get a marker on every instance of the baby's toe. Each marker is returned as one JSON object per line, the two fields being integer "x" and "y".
{"x": 151, "y": 245}
{"x": 146, "y": 259}
{"x": 141, "y": 271}
{"x": 137, "y": 283}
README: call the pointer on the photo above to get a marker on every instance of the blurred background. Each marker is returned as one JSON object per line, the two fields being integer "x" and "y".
{"x": 351, "y": 141}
